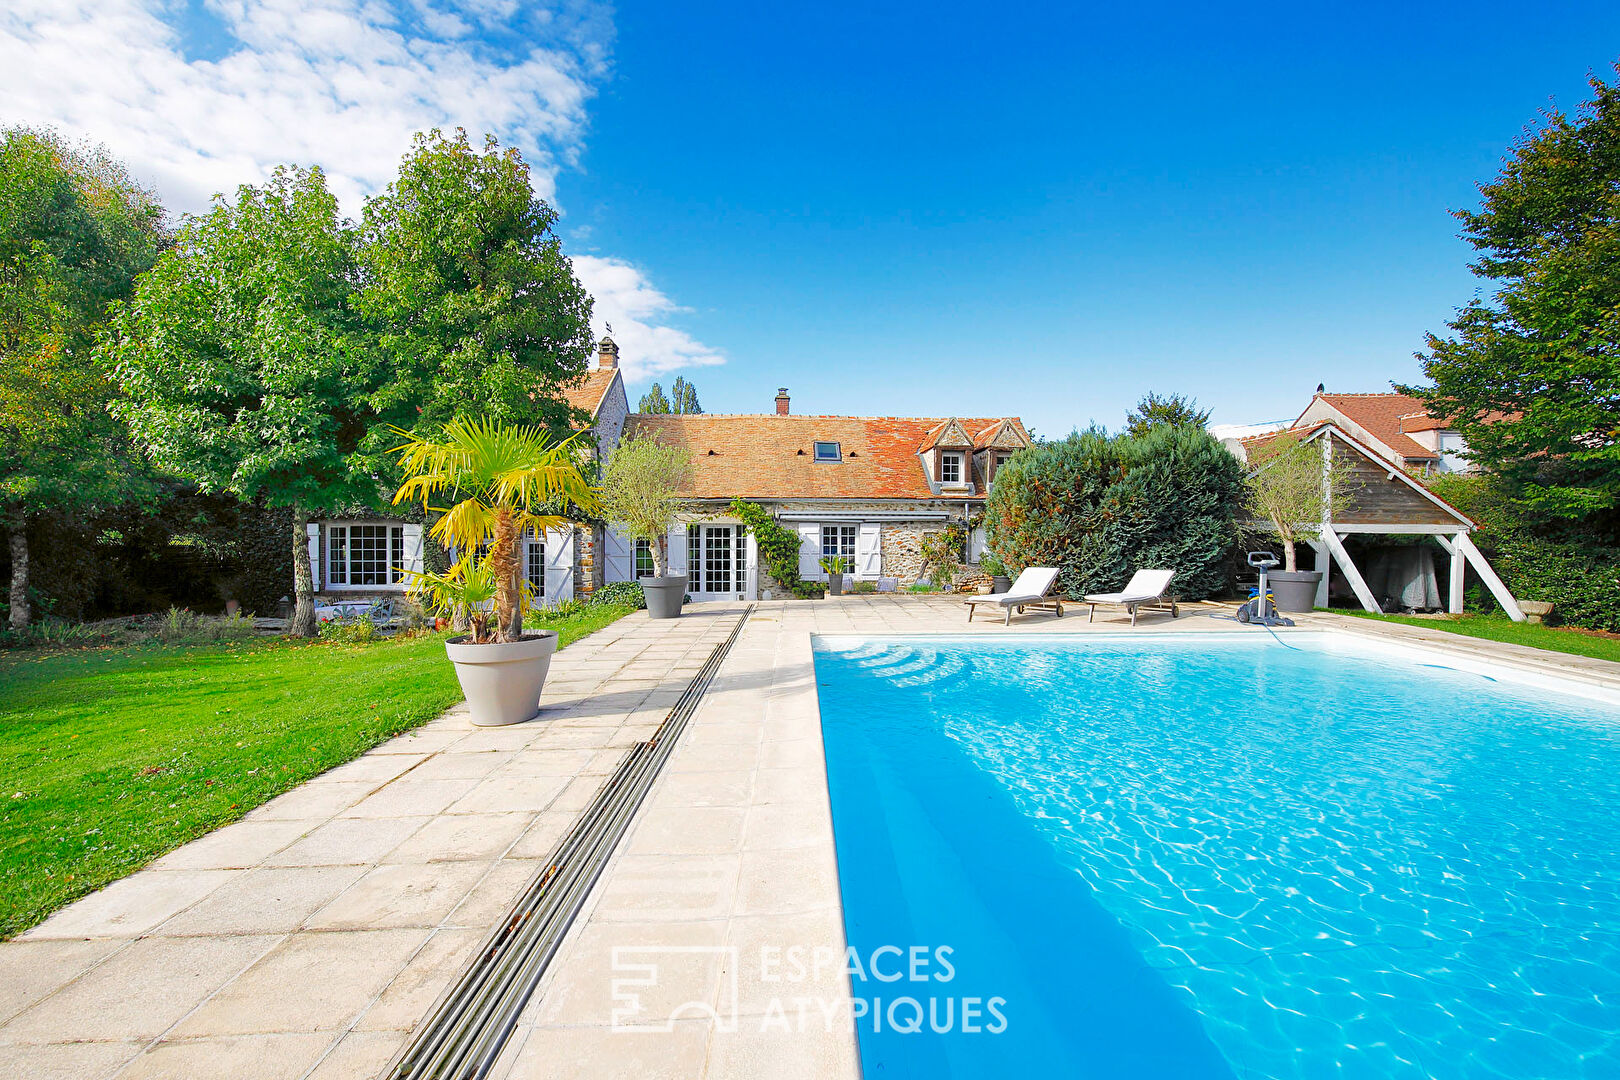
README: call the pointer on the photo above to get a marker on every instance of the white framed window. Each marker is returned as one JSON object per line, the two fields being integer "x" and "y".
{"x": 534, "y": 564}
{"x": 641, "y": 561}
{"x": 829, "y": 451}
{"x": 839, "y": 540}
{"x": 950, "y": 468}
{"x": 364, "y": 555}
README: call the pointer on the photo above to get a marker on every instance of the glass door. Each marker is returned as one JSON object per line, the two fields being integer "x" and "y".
{"x": 715, "y": 562}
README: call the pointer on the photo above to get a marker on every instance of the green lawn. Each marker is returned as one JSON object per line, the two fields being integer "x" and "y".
{"x": 111, "y": 757}
{"x": 1499, "y": 628}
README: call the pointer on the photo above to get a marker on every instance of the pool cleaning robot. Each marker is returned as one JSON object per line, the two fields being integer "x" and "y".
{"x": 1261, "y": 609}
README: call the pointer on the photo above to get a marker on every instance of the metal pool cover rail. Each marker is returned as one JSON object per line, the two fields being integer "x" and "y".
{"x": 468, "y": 1027}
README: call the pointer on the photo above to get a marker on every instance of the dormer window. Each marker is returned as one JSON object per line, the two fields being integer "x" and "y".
{"x": 828, "y": 451}
{"x": 950, "y": 468}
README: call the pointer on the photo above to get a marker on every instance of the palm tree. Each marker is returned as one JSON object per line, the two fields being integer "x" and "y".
{"x": 500, "y": 476}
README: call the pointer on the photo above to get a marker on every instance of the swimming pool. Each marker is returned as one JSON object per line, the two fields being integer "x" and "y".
{"x": 1223, "y": 855}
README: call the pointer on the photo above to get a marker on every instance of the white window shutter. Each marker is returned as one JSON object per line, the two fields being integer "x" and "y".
{"x": 751, "y": 578}
{"x": 677, "y": 550}
{"x": 618, "y": 562}
{"x": 810, "y": 550}
{"x": 313, "y": 530}
{"x": 559, "y": 565}
{"x": 869, "y": 551}
{"x": 413, "y": 549}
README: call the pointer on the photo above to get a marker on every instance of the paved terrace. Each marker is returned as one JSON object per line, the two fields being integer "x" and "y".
{"x": 307, "y": 940}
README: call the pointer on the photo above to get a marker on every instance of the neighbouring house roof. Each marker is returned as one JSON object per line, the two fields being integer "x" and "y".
{"x": 590, "y": 391}
{"x": 773, "y": 457}
{"x": 1382, "y": 417}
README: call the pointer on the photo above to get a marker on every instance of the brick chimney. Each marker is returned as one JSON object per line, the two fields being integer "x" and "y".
{"x": 607, "y": 354}
{"x": 781, "y": 402}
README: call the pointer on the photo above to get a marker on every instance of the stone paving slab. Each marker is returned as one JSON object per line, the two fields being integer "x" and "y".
{"x": 308, "y": 938}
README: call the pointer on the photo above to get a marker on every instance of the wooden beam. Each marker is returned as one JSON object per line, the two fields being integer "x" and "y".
{"x": 1351, "y": 574}
{"x": 1488, "y": 576}
{"x": 1396, "y": 528}
{"x": 1459, "y": 565}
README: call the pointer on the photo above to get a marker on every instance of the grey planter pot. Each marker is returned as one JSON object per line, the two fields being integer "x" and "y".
{"x": 503, "y": 682}
{"x": 1294, "y": 591}
{"x": 835, "y": 584}
{"x": 664, "y": 596}
{"x": 1000, "y": 583}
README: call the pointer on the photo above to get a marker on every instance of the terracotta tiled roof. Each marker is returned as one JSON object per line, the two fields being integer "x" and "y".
{"x": 1008, "y": 433}
{"x": 1381, "y": 415}
{"x": 773, "y": 457}
{"x": 588, "y": 393}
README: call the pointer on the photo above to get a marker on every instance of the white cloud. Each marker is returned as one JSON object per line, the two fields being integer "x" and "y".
{"x": 198, "y": 98}
{"x": 638, "y": 314}
{"x": 339, "y": 83}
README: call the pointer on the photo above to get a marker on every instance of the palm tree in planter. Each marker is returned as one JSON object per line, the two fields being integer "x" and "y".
{"x": 499, "y": 480}
{"x": 641, "y": 497}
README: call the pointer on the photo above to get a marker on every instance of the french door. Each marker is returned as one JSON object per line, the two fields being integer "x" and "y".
{"x": 715, "y": 561}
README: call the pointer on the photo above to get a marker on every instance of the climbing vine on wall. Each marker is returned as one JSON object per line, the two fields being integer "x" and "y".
{"x": 778, "y": 545}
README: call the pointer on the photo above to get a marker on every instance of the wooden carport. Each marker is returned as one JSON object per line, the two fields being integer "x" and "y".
{"x": 1384, "y": 500}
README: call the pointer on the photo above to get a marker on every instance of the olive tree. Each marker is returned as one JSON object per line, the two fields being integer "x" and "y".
{"x": 641, "y": 491}
{"x": 1295, "y": 487}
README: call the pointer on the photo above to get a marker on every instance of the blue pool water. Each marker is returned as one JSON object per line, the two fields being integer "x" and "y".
{"x": 1222, "y": 856}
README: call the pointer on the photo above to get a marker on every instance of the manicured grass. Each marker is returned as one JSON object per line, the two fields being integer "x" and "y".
{"x": 111, "y": 757}
{"x": 1498, "y": 628}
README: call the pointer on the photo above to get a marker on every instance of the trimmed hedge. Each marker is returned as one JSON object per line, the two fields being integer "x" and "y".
{"x": 1101, "y": 507}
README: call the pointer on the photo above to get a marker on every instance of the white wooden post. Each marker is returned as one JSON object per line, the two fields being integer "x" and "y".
{"x": 1459, "y": 567}
{"x": 1488, "y": 576}
{"x": 1352, "y": 575}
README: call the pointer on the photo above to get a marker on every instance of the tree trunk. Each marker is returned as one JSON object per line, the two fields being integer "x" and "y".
{"x": 303, "y": 619}
{"x": 1290, "y": 559}
{"x": 505, "y": 564}
{"x": 20, "y": 613}
{"x": 655, "y": 548}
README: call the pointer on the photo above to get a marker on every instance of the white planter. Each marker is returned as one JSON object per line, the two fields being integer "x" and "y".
{"x": 503, "y": 682}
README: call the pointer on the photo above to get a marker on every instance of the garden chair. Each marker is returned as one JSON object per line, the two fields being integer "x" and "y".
{"x": 1146, "y": 589}
{"x": 1033, "y": 589}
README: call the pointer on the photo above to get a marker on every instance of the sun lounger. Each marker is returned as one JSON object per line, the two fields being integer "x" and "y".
{"x": 1146, "y": 589}
{"x": 1033, "y": 589}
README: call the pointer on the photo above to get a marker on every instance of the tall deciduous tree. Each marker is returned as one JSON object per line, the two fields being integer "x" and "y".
{"x": 75, "y": 231}
{"x": 1531, "y": 375}
{"x": 477, "y": 309}
{"x": 238, "y": 353}
{"x": 654, "y": 401}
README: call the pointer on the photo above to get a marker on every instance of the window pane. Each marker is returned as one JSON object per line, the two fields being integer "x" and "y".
{"x": 827, "y": 451}
{"x": 950, "y": 469}
{"x": 694, "y": 557}
{"x": 396, "y": 554}
{"x": 337, "y": 559}
{"x": 643, "y": 566}
{"x": 717, "y": 559}
{"x": 536, "y": 567}
{"x": 368, "y": 554}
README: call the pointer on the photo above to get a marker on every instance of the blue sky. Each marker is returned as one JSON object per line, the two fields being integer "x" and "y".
{"x": 919, "y": 210}
{"x": 1012, "y": 209}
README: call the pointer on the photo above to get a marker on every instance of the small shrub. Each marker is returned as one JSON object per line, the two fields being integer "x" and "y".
{"x": 349, "y": 630}
{"x": 627, "y": 593}
{"x": 182, "y": 626}
{"x": 864, "y": 587}
{"x": 923, "y": 587}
